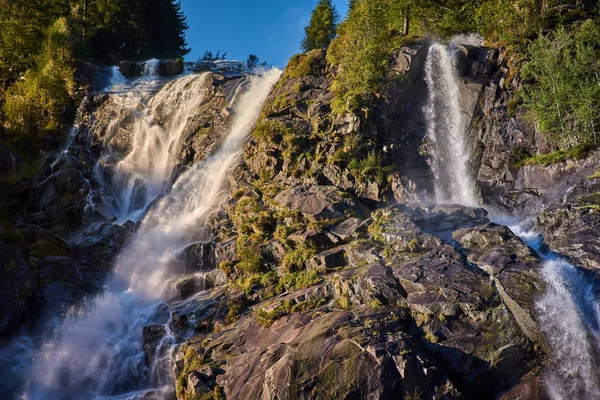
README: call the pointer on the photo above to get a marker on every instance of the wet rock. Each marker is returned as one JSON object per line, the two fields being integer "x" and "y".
{"x": 214, "y": 279}
{"x": 8, "y": 160}
{"x": 98, "y": 248}
{"x": 226, "y": 251}
{"x": 574, "y": 233}
{"x": 189, "y": 286}
{"x": 20, "y": 294}
{"x": 515, "y": 268}
{"x": 152, "y": 336}
{"x": 129, "y": 69}
{"x": 57, "y": 268}
{"x": 197, "y": 257}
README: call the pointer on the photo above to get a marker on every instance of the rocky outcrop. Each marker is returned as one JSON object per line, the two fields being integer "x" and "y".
{"x": 403, "y": 312}
{"x": 20, "y": 293}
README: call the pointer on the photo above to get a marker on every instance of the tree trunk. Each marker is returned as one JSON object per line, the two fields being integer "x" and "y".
{"x": 84, "y": 18}
{"x": 407, "y": 22}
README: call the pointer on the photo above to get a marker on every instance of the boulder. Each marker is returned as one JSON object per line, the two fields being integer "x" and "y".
{"x": 170, "y": 67}
{"x": 329, "y": 259}
{"x": 346, "y": 229}
{"x": 197, "y": 257}
{"x": 513, "y": 265}
{"x": 152, "y": 336}
{"x": 129, "y": 69}
{"x": 189, "y": 286}
{"x": 311, "y": 237}
{"x": 321, "y": 354}
{"x": 320, "y": 203}
{"x": 369, "y": 285}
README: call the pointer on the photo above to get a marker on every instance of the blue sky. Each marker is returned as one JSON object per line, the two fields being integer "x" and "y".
{"x": 271, "y": 29}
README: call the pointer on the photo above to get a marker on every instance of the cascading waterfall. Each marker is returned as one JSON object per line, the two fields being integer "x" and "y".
{"x": 569, "y": 315}
{"x": 568, "y": 312}
{"x": 453, "y": 181}
{"x": 150, "y": 67}
{"x": 159, "y": 121}
{"x": 97, "y": 353}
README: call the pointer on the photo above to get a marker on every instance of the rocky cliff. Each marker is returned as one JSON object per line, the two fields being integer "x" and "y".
{"x": 332, "y": 273}
{"x": 334, "y": 294}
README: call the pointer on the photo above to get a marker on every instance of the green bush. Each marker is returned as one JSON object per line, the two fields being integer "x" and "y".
{"x": 296, "y": 259}
{"x": 562, "y": 84}
{"x": 36, "y": 103}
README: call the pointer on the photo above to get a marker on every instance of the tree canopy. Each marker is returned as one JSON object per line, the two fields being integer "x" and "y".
{"x": 41, "y": 40}
{"x": 321, "y": 30}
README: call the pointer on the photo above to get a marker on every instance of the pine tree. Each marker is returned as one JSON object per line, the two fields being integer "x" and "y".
{"x": 321, "y": 30}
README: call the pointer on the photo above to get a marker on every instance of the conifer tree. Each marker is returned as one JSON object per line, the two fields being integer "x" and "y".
{"x": 321, "y": 29}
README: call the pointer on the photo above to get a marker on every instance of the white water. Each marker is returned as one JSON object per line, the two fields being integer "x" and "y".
{"x": 159, "y": 120}
{"x": 97, "y": 353}
{"x": 150, "y": 67}
{"x": 568, "y": 312}
{"x": 569, "y": 315}
{"x": 453, "y": 182}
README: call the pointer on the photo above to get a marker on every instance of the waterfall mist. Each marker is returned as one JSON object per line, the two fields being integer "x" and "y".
{"x": 97, "y": 351}
{"x": 453, "y": 181}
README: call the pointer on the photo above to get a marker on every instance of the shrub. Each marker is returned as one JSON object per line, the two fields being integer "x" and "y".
{"x": 295, "y": 260}
{"x": 36, "y": 103}
{"x": 562, "y": 84}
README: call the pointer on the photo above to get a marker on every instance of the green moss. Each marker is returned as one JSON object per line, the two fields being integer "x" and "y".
{"x": 430, "y": 337}
{"x": 284, "y": 308}
{"x": 192, "y": 361}
{"x": 595, "y": 175}
{"x": 300, "y": 280}
{"x": 296, "y": 259}
{"x": 10, "y": 267}
{"x": 303, "y": 65}
{"x": 414, "y": 245}
{"x": 12, "y": 236}
{"x": 577, "y": 153}
{"x": 47, "y": 247}
{"x": 251, "y": 261}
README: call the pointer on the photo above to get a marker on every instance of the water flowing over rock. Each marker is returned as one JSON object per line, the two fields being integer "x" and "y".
{"x": 101, "y": 348}
{"x": 446, "y": 127}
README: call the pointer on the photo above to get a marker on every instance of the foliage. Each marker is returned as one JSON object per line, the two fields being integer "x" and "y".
{"x": 296, "y": 259}
{"x": 577, "y": 153}
{"x": 300, "y": 280}
{"x": 251, "y": 261}
{"x": 321, "y": 29}
{"x": 254, "y": 62}
{"x": 40, "y": 41}
{"x": 36, "y": 103}
{"x": 562, "y": 83}
{"x": 210, "y": 56}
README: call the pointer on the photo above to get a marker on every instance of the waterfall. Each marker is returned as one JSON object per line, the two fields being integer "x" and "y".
{"x": 453, "y": 182}
{"x": 150, "y": 67}
{"x": 97, "y": 351}
{"x": 569, "y": 315}
{"x": 158, "y": 119}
